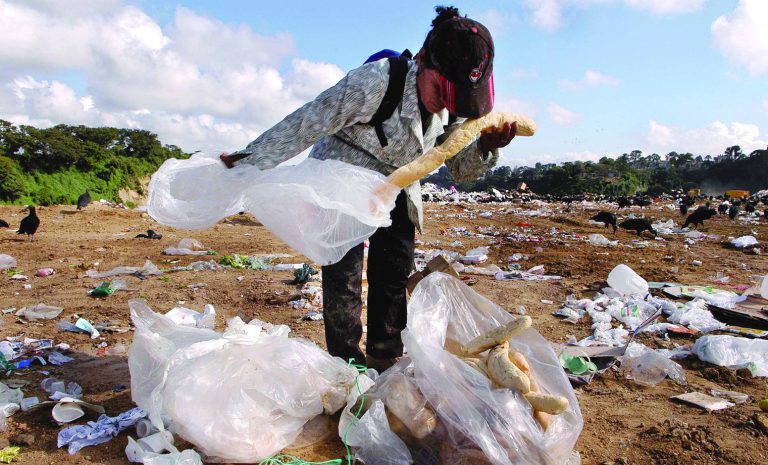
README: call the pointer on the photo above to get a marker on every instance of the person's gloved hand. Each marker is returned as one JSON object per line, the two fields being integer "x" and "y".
{"x": 497, "y": 137}
{"x": 227, "y": 159}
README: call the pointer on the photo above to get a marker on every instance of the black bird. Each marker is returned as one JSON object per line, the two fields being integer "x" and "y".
{"x": 722, "y": 208}
{"x": 697, "y": 218}
{"x": 638, "y": 225}
{"x": 624, "y": 202}
{"x": 84, "y": 200}
{"x": 149, "y": 235}
{"x": 749, "y": 207}
{"x": 607, "y": 218}
{"x": 3, "y": 224}
{"x": 733, "y": 212}
{"x": 683, "y": 208}
{"x": 29, "y": 224}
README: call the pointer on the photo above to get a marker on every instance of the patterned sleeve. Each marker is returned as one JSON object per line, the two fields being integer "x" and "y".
{"x": 352, "y": 100}
{"x": 470, "y": 163}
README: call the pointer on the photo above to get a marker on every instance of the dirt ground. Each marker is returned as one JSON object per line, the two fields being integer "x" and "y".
{"x": 623, "y": 422}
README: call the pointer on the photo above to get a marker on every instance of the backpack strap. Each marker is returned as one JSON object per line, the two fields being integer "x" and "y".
{"x": 398, "y": 71}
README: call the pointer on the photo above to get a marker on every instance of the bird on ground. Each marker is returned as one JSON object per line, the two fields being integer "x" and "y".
{"x": 84, "y": 200}
{"x": 733, "y": 212}
{"x": 149, "y": 235}
{"x": 607, "y": 218}
{"x": 697, "y": 218}
{"x": 3, "y": 224}
{"x": 723, "y": 208}
{"x": 638, "y": 225}
{"x": 29, "y": 224}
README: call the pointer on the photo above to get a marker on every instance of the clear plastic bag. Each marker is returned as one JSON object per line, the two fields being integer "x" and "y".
{"x": 7, "y": 262}
{"x": 648, "y": 367}
{"x": 321, "y": 208}
{"x": 475, "y": 421}
{"x": 238, "y": 396}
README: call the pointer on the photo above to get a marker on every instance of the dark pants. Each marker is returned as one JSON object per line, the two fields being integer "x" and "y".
{"x": 390, "y": 259}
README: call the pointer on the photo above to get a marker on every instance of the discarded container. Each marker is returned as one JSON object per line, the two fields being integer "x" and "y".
{"x": 158, "y": 442}
{"x": 29, "y": 402}
{"x": 624, "y": 280}
{"x": 66, "y": 412}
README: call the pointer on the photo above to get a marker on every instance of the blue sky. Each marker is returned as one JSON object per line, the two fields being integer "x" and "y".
{"x": 601, "y": 77}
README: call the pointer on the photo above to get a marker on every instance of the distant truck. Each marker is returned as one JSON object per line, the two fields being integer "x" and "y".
{"x": 737, "y": 194}
{"x": 694, "y": 192}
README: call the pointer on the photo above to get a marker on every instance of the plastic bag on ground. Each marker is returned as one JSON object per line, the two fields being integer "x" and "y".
{"x": 601, "y": 241}
{"x": 473, "y": 419}
{"x": 648, "y": 367}
{"x": 321, "y": 208}
{"x": 7, "y": 262}
{"x": 744, "y": 241}
{"x": 188, "y": 317}
{"x": 734, "y": 352}
{"x": 40, "y": 312}
{"x": 238, "y": 396}
{"x": 149, "y": 269}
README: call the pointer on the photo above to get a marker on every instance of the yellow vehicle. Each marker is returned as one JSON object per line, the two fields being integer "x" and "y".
{"x": 737, "y": 194}
{"x": 694, "y": 192}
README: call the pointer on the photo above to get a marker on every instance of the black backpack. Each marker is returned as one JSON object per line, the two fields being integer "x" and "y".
{"x": 398, "y": 71}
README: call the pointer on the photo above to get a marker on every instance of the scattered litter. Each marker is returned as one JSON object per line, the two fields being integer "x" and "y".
{"x": 7, "y": 262}
{"x": 601, "y": 241}
{"x": 475, "y": 256}
{"x": 623, "y": 279}
{"x": 81, "y": 326}
{"x": 648, "y": 367}
{"x": 187, "y": 317}
{"x": 28, "y": 402}
{"x": 149, "y": 269}
{"x": 40, "y": 312}
{"x": 188, "y": 246}
{"x": 313, "y": 316}
{"x": 149, "y": 450}
{"x": 303, "y": 274}
{"x": 173, "y": 367}
{"x": 734, "y": 352}
{"x": 736, "y": 397}
{"x": 534, "y": 274}
{"x": 704, "y": 401}
{"x": 45, "y": 272}
{"x": 19, "y": 277}
{"x": 98, "y": 432}
{"x": 8, "y": 454}
{"x": 744, "y": 241}
{"x": 107, "y": 288}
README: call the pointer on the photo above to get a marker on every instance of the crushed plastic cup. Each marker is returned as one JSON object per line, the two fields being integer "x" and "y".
{"x": 577, "y": 365}
{"x": 29, "y": 402}
{"x": 9, "y": 408}
{"x": 44, "y": 272}
{"x": 65, "y": 412}
{"x": 159, "y": 442}
{"x": 624, "y": 280}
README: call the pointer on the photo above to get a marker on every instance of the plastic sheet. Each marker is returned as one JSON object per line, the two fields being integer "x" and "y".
{"x": 648, "y": 367}
{"x": 7, "y": 262}
{"x": 734, "y": 352}
{"x": 474, "y": 419}
{"x": 321, "y": 208}
{"x": 149, "y": 269}
{"x": 744, "y": 241}
{"x": 238, "y": 396}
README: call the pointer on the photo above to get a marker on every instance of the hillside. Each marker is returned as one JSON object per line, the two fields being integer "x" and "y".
{"x": 57, "y": 164}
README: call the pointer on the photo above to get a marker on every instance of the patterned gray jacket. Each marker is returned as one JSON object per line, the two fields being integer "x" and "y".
{"x": 330, "y": 122}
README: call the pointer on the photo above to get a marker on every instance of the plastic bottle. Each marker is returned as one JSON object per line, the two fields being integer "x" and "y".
{"x": 624, "y": 279}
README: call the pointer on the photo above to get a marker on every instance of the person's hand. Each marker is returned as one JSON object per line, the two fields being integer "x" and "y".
{"x": 227, "y": 160}
{"x": 383, "y": 199}
{"x": 497, "y": 138}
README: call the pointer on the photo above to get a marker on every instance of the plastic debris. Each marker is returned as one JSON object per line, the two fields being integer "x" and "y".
{"x": 736, "y": 397}
{"x": 474, "y": 256}
{"x": 303, "y": 274}
{"x": 187, "y": 246}
{"x": 744, "y": 241}
{"x": 187, "y": 317}
{"x": 624, "y": 280}
{"x": 734, "y": 352}
{"x": 648, "y": 367}
{"x": 40, "y": 312}
{"x": 601, "y": 241}
{"x": 108, "y": 288}
{"x": 147, "y": 450}
{"x": 81, "y": 326}
{"x": 9, "y": 454}
{"x": 335, "y": 199}
{"x": 98, "y": 432}
{"x": 704, "y": 401}
{"x": 45, "y": 272}
{"x": 7, "y": 262}
{"x": 173, "y": 367}
{"x": 149, "y": 269}
{"x": 19, "y": 277}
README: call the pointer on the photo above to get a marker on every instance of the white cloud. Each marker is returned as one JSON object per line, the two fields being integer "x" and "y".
{"x": 711, "y": 140}
{"x": 197, "y": 82}
{"x": 560, "y": 115}
{"x": 515, "y": 105}
{"x": 743, "y": 35}
{"x": 549, "y": 14}
{"x": 496, "y": 21}
{"x": 765, "y": 105}
{"x": 591, "y": 79}
{"x": 661, "y": 7}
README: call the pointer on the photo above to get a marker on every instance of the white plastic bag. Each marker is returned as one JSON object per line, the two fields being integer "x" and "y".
{"x": 473, "y": 416}
{"x": 238, "y": 396}
{"x": 648, "y": 367}
{"x": 734, "y": 352}
{"x": 321, "y": 208}
{"x": 7, "y": 262}
{"x": 744, "y": 241}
